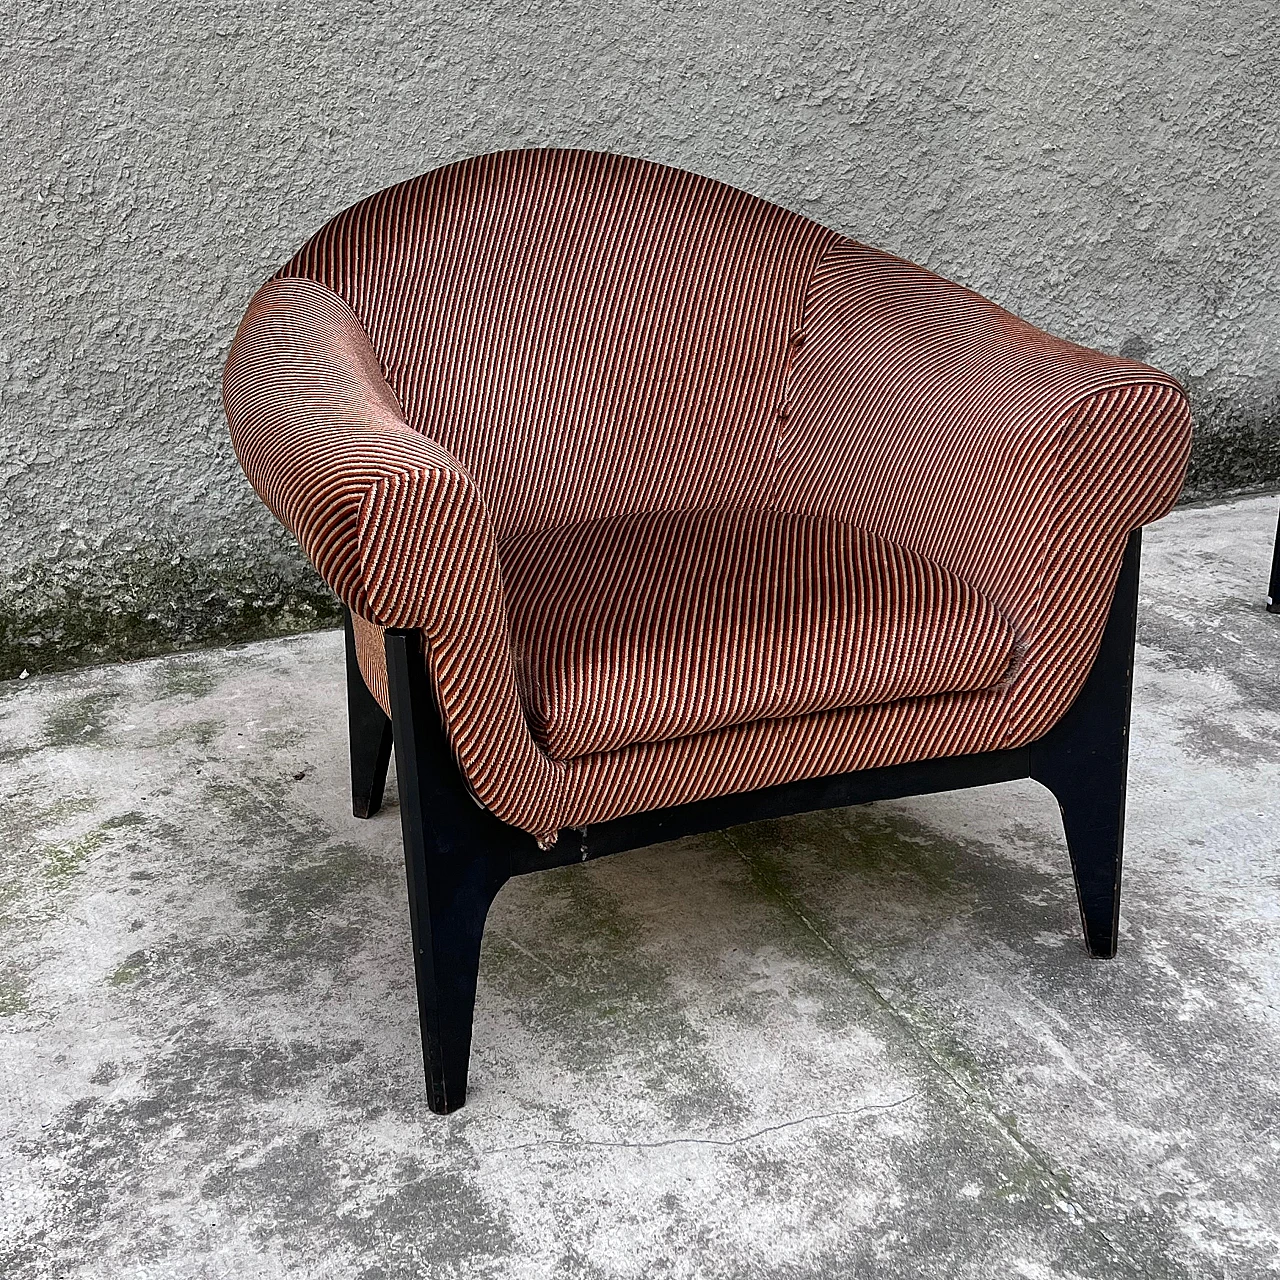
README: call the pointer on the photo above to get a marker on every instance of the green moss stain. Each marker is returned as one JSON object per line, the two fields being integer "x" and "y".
{"x": 36, "y": 867}
{"x": 62, "y": 861}
{"x": 1236, "y": 447}
{"x": 577, "y": 968}
{"x": 133, "y": 967}
{"x": 80, "y": 720}
{"x": 31, "y": 865}
{"x": 301, "y": 898}
{"x": 184, "y": 677}
{"x": 892, "y": 862}
{"x": 14, "y": 995}
{"x": 161, "y": 600}
{"x": 40, "y": 817}
{"x": 203, "y": 733}
{"x": 131, "y": 819}
{"x": 879, "y": 844}
{"x": 39, "y": 873}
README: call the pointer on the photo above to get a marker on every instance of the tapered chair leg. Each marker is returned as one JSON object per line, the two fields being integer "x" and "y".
{"x": 457, "y": 856}
{"x": 370, "y": 736}
{"x": 1084, "y": 761}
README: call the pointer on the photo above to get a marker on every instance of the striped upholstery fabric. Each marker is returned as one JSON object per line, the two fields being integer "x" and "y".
{"x": 658, "y": 625}
{"x": 468, "y": 385}
{"x": 590, "y": 335}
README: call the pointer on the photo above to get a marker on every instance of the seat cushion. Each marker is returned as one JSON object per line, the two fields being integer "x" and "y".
{"x": 642, "y": 628}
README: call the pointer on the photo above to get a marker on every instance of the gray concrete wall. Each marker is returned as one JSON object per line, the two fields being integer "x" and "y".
{"x": 1107, "y": 171}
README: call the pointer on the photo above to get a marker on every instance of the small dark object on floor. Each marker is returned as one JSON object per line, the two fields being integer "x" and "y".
{"x": 1273, "y": 591}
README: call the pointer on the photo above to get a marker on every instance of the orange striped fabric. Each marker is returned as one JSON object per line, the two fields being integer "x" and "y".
{"x": 646, "y": 627}
{"x": 473, "y": 391}
{"x": 592, "y": 335}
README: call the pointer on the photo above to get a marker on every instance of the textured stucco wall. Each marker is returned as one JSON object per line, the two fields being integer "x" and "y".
{"x": 1107, "y": 171}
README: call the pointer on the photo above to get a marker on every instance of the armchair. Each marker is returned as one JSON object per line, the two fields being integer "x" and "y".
{"x": 657, "y": 508}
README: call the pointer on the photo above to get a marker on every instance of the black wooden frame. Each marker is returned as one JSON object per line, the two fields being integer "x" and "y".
{"x": 458, "y": 855}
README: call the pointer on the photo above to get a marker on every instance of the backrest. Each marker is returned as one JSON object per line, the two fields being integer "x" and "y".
{"x": 589, "y": 334}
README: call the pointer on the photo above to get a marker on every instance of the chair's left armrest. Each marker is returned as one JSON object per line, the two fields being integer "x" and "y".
{"x": 389, "y": 517}
{"x": 379, "y": 508}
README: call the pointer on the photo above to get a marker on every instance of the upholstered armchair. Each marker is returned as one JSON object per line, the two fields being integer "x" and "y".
{"x": 658, "y": 508}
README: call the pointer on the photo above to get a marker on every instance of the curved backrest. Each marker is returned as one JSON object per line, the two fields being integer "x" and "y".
{"x": 589, "y": 334}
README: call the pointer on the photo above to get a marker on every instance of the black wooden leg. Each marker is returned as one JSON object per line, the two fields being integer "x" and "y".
{"x": 370, "y": 733}
{"x": 457, "y": 856}
{"x": 1273, "y": 591}
{"x": 1084, "y": 761}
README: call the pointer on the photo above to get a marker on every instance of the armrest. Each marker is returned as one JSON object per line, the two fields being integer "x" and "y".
{"x": 321, "y": 438}
{"x": 922, "y": 411}
{"x": 390, "y": 519}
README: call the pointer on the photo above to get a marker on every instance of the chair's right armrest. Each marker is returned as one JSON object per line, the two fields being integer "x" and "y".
{"x": 944, "y": 423}
{"x": 1017, "y": 460}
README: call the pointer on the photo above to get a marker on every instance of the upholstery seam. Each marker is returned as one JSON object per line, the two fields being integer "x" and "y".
{"x": 784, "y": 398}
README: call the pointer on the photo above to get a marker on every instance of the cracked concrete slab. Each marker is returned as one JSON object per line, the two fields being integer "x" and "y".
{"x": 864, "y": 1042}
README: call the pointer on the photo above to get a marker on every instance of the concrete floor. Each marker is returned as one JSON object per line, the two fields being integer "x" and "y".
{"x": 861, "y": 1043}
